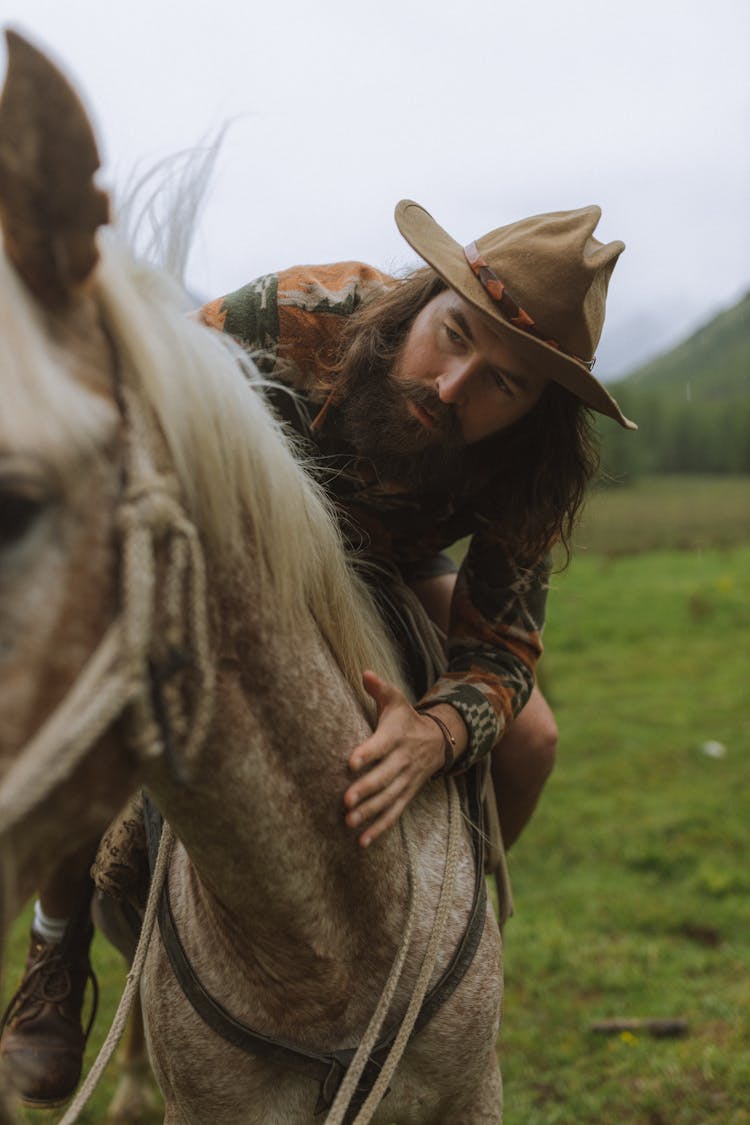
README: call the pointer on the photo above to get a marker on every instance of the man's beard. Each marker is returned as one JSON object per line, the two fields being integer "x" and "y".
{"x": 379, "y": 425}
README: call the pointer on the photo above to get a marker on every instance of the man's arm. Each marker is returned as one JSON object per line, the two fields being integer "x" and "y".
{"x": 493, "y": 646}
{"x": 494, "y": 642}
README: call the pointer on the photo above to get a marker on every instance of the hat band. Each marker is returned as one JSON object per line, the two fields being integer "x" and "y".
{"x": 510, "y": 309}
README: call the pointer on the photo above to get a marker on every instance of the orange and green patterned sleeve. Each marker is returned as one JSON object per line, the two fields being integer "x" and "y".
{"x": 295, "y": 316}
{"x": 494, "y": 641}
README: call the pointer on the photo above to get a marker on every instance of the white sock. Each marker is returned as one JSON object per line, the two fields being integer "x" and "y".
{"x": 50, "y": 930}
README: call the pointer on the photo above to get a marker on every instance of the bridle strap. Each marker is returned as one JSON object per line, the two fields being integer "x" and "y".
{"x": 130, "y": 659}
{"x": 328, "y": 1068}
{"x": 99, "y": 695}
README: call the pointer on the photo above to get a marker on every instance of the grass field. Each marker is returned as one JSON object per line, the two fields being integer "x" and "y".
{"x": 632, "y": 883}
{"x": 669, "y": 513}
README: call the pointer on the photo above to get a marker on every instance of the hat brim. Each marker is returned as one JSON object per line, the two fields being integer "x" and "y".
{"x": 447, "y": 258}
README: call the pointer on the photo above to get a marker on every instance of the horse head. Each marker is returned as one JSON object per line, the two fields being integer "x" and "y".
{"x": 60, "y": 426}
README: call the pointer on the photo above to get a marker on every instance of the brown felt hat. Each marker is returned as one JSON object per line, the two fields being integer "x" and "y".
{"x": 541, "y": 281}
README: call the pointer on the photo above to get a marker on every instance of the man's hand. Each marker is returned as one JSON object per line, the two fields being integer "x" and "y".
{"x": 404, "y": 751}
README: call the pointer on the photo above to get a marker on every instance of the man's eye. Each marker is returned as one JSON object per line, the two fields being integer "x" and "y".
{"x": 453, "y": 336}
{"x": 501, "y": 382}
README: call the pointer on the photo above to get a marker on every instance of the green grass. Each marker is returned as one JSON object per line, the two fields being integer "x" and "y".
{"x": 632, "y": 882}
{"x": 657, "y": 513}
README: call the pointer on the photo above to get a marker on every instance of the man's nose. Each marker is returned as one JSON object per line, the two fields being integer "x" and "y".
{"x": 453, "y": 383}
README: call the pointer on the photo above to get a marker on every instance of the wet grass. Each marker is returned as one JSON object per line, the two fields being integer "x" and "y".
{"x": 631, "y": 884}
{"x": 666, "y": 513}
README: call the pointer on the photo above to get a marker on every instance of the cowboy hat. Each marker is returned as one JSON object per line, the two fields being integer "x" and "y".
{"x": 542, "y": 282}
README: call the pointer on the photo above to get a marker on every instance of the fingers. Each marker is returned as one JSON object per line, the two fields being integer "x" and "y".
{"x": 378, "y": 797}
{"x": 384, "y": 822}
{"x": 381, "y": 810}
{"x": 387, "y": 697}
{"x": 369, "y": 751}
{"x": 399, "y": 756}
{"x": 384, "y": 693}
{"x": 375, "y": 780}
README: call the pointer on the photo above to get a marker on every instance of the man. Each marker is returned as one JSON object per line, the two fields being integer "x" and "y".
{"x": 446, "y": 405}
{"x": 438, "y": 407}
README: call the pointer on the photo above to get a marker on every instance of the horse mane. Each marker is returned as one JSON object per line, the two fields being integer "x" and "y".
{"x": 235, "y": 463}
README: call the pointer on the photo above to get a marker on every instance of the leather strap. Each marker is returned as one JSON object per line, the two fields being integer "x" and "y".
{"x": 327, "y": 1067}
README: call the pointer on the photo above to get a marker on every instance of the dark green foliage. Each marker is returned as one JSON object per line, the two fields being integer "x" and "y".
{"x": 711, "y": 365}
{"x": 692, "y": 406}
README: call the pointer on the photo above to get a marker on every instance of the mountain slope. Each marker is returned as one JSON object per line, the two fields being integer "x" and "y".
{"x": 712, "y": 364}
{"x": 692, "y": 406}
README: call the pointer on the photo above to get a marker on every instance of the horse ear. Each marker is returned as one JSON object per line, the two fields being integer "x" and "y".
{"x": 50, "y": 207}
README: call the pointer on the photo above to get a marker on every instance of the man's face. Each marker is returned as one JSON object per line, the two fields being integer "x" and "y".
{"x": 452, "y": 385}
{"x": 458, "y": 377}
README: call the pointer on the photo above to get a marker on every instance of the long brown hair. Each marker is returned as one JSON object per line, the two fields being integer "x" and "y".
{"x": 541, "y": 465}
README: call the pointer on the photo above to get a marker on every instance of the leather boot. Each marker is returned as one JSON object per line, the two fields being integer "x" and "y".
{"x": 42, "y": 1041}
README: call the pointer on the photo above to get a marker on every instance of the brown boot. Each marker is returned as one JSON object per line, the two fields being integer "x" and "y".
{"x": 42, "y": 1040}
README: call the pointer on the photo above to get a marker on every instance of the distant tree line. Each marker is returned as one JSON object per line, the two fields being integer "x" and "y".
{"x": 705, "y": 436}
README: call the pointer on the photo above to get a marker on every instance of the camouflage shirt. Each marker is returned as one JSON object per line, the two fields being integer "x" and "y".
{"x": 291, "y": 321}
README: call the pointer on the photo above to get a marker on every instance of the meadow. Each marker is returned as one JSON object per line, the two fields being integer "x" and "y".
{"x": 631, "y": 883}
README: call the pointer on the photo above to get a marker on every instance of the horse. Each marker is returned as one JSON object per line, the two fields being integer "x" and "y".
{"x": 178, "y": 613}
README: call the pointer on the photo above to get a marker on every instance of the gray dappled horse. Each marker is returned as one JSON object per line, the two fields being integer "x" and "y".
{"x": 176, "y": 612}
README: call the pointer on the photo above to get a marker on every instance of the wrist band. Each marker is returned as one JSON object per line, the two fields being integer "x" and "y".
{"x": 449, "y": 742}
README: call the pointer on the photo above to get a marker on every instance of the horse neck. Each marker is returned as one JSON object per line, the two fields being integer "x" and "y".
{"x": 262, "y": 817}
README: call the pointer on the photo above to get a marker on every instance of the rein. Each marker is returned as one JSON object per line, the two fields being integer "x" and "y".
{"x": 353, "y": 1080}
{"x": 131, "y": 671}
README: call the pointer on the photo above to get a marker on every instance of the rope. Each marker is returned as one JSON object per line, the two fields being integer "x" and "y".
{"x": 445, "y": 903}
{"x": 132, "y": 982}
{"x": 118, "y": 676}
{"x": 356, "y": 1069}
{"x": 357, "y": 1066}
{"x": 96, "y": 699}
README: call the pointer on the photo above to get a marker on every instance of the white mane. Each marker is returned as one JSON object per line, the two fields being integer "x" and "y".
{"x": 234, "y": 462}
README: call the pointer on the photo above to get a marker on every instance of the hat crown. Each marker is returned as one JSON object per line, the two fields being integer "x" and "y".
{"x": 558, "y": 273}
{"x": 541, "y": 282}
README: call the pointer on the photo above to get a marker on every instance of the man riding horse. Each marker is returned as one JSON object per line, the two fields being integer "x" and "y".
{"x": 450, "y": 404}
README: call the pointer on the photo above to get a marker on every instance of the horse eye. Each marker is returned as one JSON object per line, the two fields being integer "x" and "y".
{"x": 17, "y": 514}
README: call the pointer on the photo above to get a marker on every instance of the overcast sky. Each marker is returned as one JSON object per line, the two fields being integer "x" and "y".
{"x": 484, "y": 111}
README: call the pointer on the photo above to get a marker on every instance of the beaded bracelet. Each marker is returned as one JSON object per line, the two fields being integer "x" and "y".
{"x": 449, "y": 743}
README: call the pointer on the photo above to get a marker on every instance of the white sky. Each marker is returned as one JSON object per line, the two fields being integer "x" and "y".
{"x": 483, "y": 111}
